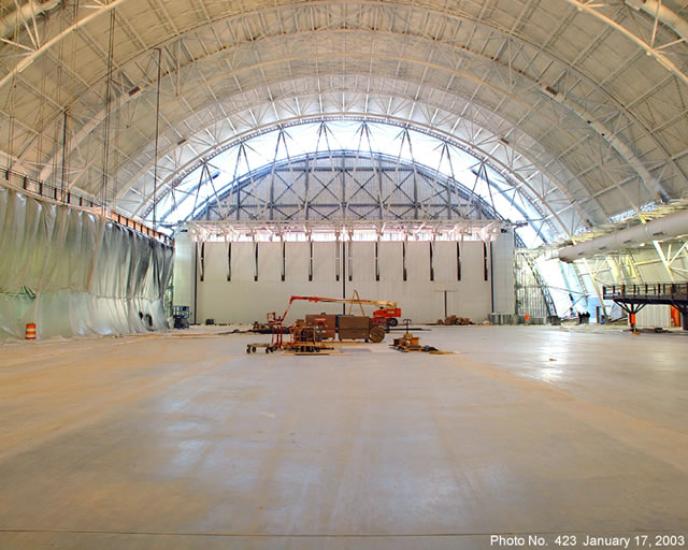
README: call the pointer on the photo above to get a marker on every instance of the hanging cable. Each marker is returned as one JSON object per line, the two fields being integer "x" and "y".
{"x": 106, "y": 123}
{"x": 157, "y": 140}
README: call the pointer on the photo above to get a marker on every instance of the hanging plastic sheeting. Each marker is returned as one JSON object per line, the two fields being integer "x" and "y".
{"x": 75, "y": 273}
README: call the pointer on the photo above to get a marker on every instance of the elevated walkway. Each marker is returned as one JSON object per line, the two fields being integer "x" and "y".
{"x": 633, "y": 298}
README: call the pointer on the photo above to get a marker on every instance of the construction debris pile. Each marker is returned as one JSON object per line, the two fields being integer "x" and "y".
{"x": 410, "y": 342}
{"x": 454, "y": 320}
{"x": 316, "y": 332}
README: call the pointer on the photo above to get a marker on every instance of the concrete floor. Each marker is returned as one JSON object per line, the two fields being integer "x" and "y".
{"x": 173, "y": 441}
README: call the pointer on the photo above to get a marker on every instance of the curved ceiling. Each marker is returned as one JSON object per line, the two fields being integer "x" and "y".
{"x": 585, "y": 103}
{"x": 349, "y": 170}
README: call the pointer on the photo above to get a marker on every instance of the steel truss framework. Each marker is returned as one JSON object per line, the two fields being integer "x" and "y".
{"x": 346, "y": 185}
{"x": 345, "y": 230}
{"x": 310, "y": 175}
{"x": 663, "y": 261}
{"x": 583, "y": 103}
{"x": 524, "y": 188}
{"x": 509, "y": 71}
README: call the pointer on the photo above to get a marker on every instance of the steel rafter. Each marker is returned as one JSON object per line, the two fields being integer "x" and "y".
{"x": 512, "y": 30}
{"x": 352, "y": 169}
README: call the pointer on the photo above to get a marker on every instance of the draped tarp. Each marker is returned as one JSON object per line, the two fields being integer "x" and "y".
{"x": 75, "y": 273}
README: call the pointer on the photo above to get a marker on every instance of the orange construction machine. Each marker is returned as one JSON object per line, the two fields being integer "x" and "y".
{"x": 309, "y": 334}
{"x": 388, "y": 313}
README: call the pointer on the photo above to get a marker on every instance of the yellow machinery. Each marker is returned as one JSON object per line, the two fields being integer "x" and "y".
{"x": 407, "y": 341}
{"x": 410, "y": 342}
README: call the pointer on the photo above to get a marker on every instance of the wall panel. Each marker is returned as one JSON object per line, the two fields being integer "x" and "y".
{"x": 242, "y": 261}
{"x": 503, "y": 264}
{"x": 391, "y": 263}
{"x": 654, "y": 316}
{"x": 363, "y": 262}
{"x": 298, "y": 256}
{"x": 324, "y": 262}
{"x": 184, "y": 269}
{"x": 445, "y": 262}
{"x": 473, "y": 298}
{"x": 270, "y": 262}
{"x": 243, "y": 300}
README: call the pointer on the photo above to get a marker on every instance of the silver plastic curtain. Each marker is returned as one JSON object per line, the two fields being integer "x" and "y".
{"x": 75, "y": 273}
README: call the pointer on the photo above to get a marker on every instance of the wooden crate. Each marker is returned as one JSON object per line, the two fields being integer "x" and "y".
{"x": 353, "y": 327}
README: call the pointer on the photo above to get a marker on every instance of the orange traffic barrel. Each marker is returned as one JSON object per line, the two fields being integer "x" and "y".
{"x": 30, "y": 331}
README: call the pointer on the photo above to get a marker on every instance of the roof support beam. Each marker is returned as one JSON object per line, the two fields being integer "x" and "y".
{"x": 617, "y": 144}
{"x": 661, "y": 13}
{"x": 650, "y": 49}
{"x": 624, "y": 150}
{"x": 23, "y": 15}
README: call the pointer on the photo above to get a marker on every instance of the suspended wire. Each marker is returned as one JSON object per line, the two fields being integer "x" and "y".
{"x": 65, "y": 184}
{"x": 116, "y": 163}
{"x": 41, "y": 117}
{"x": 58, "y": 136}
{"x": 105, "y": 170}
{"x": 11, "y": 110}
{"x": 157, "y": 141}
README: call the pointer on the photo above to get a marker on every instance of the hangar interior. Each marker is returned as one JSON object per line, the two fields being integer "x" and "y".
{"x": 173, "y": 171}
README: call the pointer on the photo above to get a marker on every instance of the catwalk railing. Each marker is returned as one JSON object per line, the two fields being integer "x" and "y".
{"x": 654, "y": 293}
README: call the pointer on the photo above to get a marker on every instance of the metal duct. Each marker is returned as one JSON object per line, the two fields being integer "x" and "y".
{"x": 23, "y": 15}
{"x": 668, "y": 227}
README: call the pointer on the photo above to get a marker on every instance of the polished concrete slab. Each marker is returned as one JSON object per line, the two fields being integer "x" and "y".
{"x": 184, "y": 441}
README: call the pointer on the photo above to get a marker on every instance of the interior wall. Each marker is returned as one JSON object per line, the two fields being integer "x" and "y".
{"x": 245, "y": 300}
{"x": 654, "y": 316}
{"x": 504, "y": 275}
{"x": 184, "y": 269}
{"x": 75, "y": 273}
